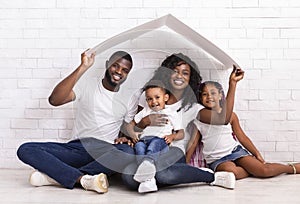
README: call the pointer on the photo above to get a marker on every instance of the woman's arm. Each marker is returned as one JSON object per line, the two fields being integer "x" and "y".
{"x": 131, "y": 132}
{"x": 244, "y": 139}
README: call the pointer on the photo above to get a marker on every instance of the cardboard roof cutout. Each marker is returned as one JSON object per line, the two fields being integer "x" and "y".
{"x": 175, "y": 25}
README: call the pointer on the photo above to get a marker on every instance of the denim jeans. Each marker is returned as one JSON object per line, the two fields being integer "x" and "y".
{"x": 66, "y": 162}
{"x": 150, "y": 147}
{"x": 170, "y": 172}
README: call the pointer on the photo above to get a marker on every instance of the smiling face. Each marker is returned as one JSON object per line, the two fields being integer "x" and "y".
{"x": 211, "y": 97}
{"x": 180, "y": 78}
{"x": 156, "y": 98}
{"x": 116, "y": 72}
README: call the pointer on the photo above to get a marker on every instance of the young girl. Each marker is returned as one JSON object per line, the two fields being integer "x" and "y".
{"x": 227, "y": 147}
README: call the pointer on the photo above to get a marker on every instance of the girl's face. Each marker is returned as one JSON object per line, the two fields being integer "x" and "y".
{"x": 180, "y": 78}
{"x": 156, "y": 98}
{"x": 211, "y": 97}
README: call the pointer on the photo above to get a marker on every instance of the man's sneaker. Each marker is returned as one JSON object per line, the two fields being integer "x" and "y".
{"x": 148, "y": 186}
{"x": 39, "y": 179}
{"x": 145, "y": 171}
{"x": 96, "y": 183}
{"x": 224, "y": 179}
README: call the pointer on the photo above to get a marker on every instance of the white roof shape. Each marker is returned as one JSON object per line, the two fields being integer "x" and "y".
{"x": 177, "y": 26}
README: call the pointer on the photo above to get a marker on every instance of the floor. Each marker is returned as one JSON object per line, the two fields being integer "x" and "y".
{"x": 14, "y": 188}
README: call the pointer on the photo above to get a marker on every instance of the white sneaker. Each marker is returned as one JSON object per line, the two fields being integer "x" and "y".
{"x": 145, "y": 171}
{"x": 224, "y": 179}
{"x": 96, "y": 183}
{"x": 148, "y": 186}
{"x": 39, "y": 179}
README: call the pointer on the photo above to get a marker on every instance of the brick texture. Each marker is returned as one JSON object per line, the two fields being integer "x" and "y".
{"x": 41, "y": 42}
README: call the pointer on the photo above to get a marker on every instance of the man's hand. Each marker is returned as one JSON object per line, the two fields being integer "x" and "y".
{"x": 87, "y": 61}
{"x": 124, "y": 140}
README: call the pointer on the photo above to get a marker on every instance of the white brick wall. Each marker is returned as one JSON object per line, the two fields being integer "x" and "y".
{"x": 41, "y": 42}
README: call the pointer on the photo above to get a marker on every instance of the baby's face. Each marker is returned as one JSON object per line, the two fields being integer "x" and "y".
{"x": 156, "y": 98}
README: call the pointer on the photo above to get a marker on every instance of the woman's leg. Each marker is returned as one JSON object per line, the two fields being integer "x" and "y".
{"x": 182, "y": 173}
{"x": 127, "y": 176}
{"x": 115, "y": 159}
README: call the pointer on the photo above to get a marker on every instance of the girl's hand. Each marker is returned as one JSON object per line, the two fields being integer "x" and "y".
{"x": 260, "y": 158}
{"x": 237, "y": 74}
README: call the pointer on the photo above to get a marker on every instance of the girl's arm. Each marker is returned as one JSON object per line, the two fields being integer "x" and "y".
{"x": 192, "y": 145}
{"x": 212, "y": 117}
{"x": 244, "y": 139}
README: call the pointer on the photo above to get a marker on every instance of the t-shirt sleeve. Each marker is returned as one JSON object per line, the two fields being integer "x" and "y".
{"x": 132, "y": 106}
{"x": 142, "y": 100}
{"x": 139, "y": 116}
{"x": 79, "y": 87}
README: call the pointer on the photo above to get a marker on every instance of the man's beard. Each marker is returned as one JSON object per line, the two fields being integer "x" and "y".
{"x": 108, "y": 77}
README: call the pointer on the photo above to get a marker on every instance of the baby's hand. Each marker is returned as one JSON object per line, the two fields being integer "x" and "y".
{"x": 169, "y": 139}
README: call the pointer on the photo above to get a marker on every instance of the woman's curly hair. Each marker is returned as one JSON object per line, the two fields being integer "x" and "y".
{"x": 167, "y": 67}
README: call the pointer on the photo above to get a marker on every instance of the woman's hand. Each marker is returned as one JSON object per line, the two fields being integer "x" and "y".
{"x": 158, "y": 119}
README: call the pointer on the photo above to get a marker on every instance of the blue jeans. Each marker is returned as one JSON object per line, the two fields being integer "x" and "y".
{"x": 150, "y": 147}
{"x": 172, "y": 169}
{"x": 66, "y": 162}
{"x": 237, "y": 152}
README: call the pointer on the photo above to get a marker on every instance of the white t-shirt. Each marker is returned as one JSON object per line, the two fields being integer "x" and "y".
{"x": 174, "y": 122}
{"x": 100, "y": 112}
{"x": 187, "y": 116}
{"x": 217, "y": 140}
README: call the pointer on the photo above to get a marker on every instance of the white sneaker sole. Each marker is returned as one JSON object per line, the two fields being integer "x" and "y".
{"x": 227, "y": 180}
{"x": 101, "y": 183}
{"x": 39, "y": 179}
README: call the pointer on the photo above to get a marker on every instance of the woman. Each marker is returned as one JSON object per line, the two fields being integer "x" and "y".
{"x": 182, "y": 78}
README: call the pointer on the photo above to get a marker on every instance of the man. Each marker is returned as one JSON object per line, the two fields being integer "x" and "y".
{"x": 100, "y": 114}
